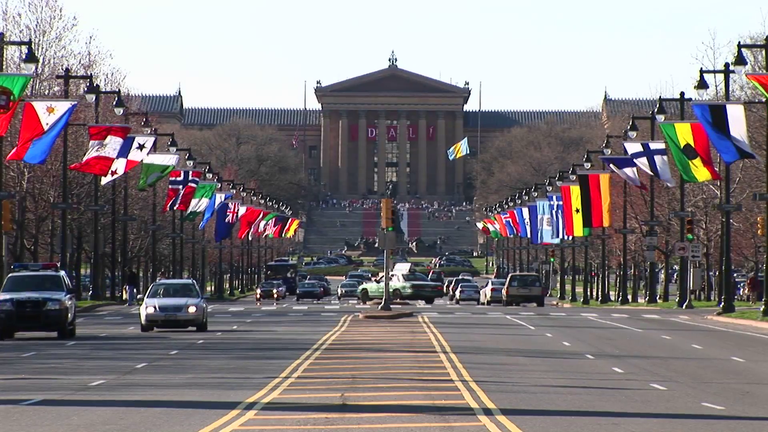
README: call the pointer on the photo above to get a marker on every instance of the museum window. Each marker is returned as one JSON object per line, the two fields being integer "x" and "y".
{"x": 312, "y": 175}
{"x": 313, "y": 152}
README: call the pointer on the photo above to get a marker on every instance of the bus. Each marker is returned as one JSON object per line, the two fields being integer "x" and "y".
{"x": 286, "y": 272}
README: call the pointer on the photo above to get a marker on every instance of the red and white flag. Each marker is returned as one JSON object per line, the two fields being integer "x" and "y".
{"x": 181, "y": 189}
{"x": 248, "y": 217}
{"x": 106, "y": 142}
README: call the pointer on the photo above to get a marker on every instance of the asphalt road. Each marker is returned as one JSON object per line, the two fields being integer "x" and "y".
{"x": 316, "y": 366}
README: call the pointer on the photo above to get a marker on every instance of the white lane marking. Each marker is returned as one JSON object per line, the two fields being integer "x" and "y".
{"x": 218, "y": 334}
{"x": 462, "y": 313}
{"x": 616, "y": 324}
{"x": 269, "y": 307}
{"x": 135, "y": 309}
{"x": 666, "y": 337}
{"x": 332, "y": 307}
{"x": 589, "y": 356}
{"x": 527, "y": 313}
{"x": 222, "y": 315}
{"x": 396, "y": 306}
{"x": 720, "y": 328}
{"x": 651, "y": 316}
{"x": 236, "y": 309}
{"x": 658, "y": 387}
{"x": 618, "y": 370}
{"x": 717, "y": 407}
{"x": 424, "y": 305}
{"x": 301, "y": 307}
{"x": 131, "y": 328}
{"x": 70, "y": 343}
{"x": 113, "y": 318}
{"x": 696, "y": 346}
{"x": 247, "y": 321}
{"x": 557, "y": 314}
{"x": 329, "y": 314}
{"x": 30, "y": 402}
{"x": 200, "y": 341}
{"x": 566, "y": 344}
{"x": 80, "y": 319}
{"x": 684, "y": 316}
{"x": 296, "y": 314}
{"x": 429, "y": 313}
{"x": 737, "y": 359}
{"x": 620, "y": 315}
{"x": 548, "y": 334}
{"x": 28, "y": 354}
{"x": 103, "y": 334}
{"x": 588, "y": 314}
{"x": 234, "y": 327}
{"x": 101, "y": 313}
{"x": 453, "y": 306}
{"x": 494, "y": 313}
{"x": 172, "y": 352}
{"x": 141, "y": 365}
{"x": 362, "y": 306}
{"x": 521, "y": 323}
{"x": 97, "y": 383}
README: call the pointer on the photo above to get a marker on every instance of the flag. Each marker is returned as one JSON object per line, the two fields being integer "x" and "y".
{"x": 226, "y": 218}
{"x": 726, "y": 126}
{"x": 596, "y": 199}
{"x": 293, "y": 225}
{"x": 41, "y": 124}
{"x": 295, "y": 142}
{"x": 760, "y": 80}
{"x": 626, "y": 168}
{"x": 134, "y": 149}
{"x": 651, "y": 156}
{"x": 545, "y": 221}
{"x": 689, "y": 145}
{"x": 565, "y": 193}
{"x": 12, "y": 86}
{"x": 248, "y": 217}
{"x": 459, "y": 149}
{"x": 574, "y": 216}
{"x": 587, "y": 209}
{"x": 506, "y": 219}
{"x": 556, "y": 214}
{"x": 275, "y": 227}
{"x": 200, "y": 200}
{"x": 259, "y": 228}
{"x": 106, "y": 141}
{"x": 213, "y": 205}
{"x": 501, "y": 225}
{"x": 534, "y": 229}
{"x": 181, "y": 189}
{"x": 155, "y": 167}
{"x": 481, "y": 226}
{"x": 522, "y": 226}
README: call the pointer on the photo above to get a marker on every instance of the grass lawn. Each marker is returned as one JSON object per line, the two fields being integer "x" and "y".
{"x": 83, "y": 303}
{"x": 671, "y": 304}
{"x": 747, "y": 314}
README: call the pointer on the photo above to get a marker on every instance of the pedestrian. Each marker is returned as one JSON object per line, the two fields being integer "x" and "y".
{"x": 131, "y": 284}
{"x": 752, "y": 288}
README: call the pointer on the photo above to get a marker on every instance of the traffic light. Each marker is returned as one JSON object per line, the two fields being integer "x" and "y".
{"x": 7, "y": 224}
{"x": 387, "y": 223}
{"x": 689, "y": 229}
{"x": 760, "y": 226}
{"x": 551, "y": 255}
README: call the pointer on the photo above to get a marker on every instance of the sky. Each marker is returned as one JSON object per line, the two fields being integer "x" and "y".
{"x": 529, "y": 55}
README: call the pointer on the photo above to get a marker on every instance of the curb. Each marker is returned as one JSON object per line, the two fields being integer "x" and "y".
{"x": 568, "y": 305}
{"x": 385, "y": 315}
{"x": 92, "y": 307}
{"x": 752, "y": 323}
{"x": 394, "y": 302}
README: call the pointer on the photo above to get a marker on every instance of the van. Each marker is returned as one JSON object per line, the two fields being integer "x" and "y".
{"x": 523, "y": 288}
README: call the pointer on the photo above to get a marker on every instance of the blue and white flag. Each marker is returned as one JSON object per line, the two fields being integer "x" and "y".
{"x": 214, "y": 204}
{"x": 545, "y": 221}
{"x": 626, "y": 168}
{"x": 556, "y": 214}
{"x": 651, "y": 156}
{"x": 726, "y": 126}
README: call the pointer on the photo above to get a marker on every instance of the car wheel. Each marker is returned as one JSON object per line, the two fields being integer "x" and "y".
{"x": 429, "y": 301}
{"x": 202, "y": 327}
{"x": 397, "y": 295}
{"x": 457, "y": 301}
{"x": 72, "y": 331}
{"x": 146, "y": 328}
{"x": 63, "y": 332}
{"x": 6, "y": 334}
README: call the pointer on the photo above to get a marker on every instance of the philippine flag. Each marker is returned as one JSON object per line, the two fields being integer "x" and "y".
{"x": 134, "y": 150}
{"x": 41, "y": 124}
{"x": 106, "y": 141}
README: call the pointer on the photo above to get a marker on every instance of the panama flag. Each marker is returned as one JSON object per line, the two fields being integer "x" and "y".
{"x": 106, "y": 142}
{"x": 134, "y": 149}
{"x": 41, "y": 124}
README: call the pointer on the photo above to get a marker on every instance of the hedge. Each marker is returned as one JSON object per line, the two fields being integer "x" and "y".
{"x": 343, "y": 270}
{"x": 452, "y": 271}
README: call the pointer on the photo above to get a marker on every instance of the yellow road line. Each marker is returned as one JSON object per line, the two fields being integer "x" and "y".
{"x": 450, "y": 384}
{"x": 369, "y": 372}
{"x": 486, "y": 400}
{"x": 367, "y": 356}
{"x": 310, "y": 416}
{"x": 467, "y": 396}
{"x": 344, "y": 320}
{"x": 306, "y": 405}
{"x": 366, "y": 426}
{"x": 356, "y": 379}
{"x": 379, "y": 354}
{"x": 292, "y": 378}
{"x": 318, "y": 395}
{"x": 362, "y": 366}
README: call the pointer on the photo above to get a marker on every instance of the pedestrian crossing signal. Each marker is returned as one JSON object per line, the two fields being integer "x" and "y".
{"x": 689, "y": 229}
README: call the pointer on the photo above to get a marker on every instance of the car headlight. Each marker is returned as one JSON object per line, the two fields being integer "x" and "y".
{"x": 192, "y": 309}
{"x": 58, "y": 304}
{"x": 150, "y": 309}
{"x": 6, "y": 306}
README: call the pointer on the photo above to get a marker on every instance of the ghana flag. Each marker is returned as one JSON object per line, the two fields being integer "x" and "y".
{"x": 572, "y": 210}
{"x": 689, "y": 144}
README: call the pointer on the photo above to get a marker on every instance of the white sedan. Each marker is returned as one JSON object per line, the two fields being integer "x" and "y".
{"x": 173, "y": 303}
{"x": 467, "y": 292}
{"x": 492, "y": 292}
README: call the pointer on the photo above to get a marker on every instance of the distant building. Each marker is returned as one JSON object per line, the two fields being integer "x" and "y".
{"x": 414, "y": 118}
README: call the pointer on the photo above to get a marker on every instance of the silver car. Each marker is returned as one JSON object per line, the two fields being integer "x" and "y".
{"x": 492, "y": 293}
{"x": 348, "y": 288}
{"x": 174, "y": 303}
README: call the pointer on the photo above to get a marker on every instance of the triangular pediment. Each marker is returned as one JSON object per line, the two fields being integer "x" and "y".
{"x": 392, "y": 80}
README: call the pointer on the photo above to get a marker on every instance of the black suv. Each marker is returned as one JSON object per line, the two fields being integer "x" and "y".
{"x": 37, "y": 297}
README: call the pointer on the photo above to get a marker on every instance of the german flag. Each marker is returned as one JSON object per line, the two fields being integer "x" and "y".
{"x": 599, "y": 199}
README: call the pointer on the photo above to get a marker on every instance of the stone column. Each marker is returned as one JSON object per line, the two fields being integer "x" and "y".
{"x": 325, "y": 150}
{"x": 441, "y": 155}
{"x": 459, "y": 163}
{"x": 381, "y": 139}
{"x": 402, "y": 156}
{"x": 362, "y": 154}
{"x": 422, "y": 189}
{"x": 343, "y": 162}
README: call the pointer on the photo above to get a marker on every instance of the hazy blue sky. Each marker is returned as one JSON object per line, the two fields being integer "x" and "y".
{"x": 558, "y": 54}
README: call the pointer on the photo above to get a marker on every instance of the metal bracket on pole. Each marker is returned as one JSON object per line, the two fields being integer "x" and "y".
{"x": 127, "y": 218}
{"x": 625, "y": 231}
{"x": 680, "y": 214}
{"x": 96, "y": 208}
{"x": 5, "y": 196}
{"x": 650, "y": 223}
{"x": 62, "y": 206}
{"x": 729, "y": 207}
{"x": 760, "y": 197}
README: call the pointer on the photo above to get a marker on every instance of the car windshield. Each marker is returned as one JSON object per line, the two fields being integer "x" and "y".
{"x": 269, "y": 285}
{"x": 316, "y": 277}
{"x": 33, "y": 282}
{"x": 497, "y": 282}
{"x": 414, "y": 277}
{"x": 469, "y": 287}
{"x": 459, "y": 281}
{"x": 308, "y": 285}
{"x": 348, "y": 285}
{"x": 356, "y": 276}
{"x": 525, "y": 280}
{"x": 173, "y": 290}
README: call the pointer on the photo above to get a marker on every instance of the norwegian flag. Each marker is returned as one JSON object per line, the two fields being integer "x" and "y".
{"x": 181, "y": 189}
{"x": 295, "y": 142}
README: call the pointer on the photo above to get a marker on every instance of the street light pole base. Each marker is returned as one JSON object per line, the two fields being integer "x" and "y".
{"x": 764, "y": 310}
{"x": 688, "y": 305}
{"x": 585, "y": 300}
{"x": 728, "y": 308}
{"x": 384, "y": 306}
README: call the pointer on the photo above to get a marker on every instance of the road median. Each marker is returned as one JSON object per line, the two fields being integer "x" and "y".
{"x": 385, "y": 315}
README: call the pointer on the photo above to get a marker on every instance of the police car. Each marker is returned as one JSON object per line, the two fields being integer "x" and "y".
{"x": 37, "y": 297}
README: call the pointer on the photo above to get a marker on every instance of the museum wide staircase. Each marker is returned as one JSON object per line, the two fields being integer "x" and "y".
{"x": 329, "y": 228}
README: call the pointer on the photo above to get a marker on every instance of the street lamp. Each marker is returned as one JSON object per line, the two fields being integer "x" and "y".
{"x": 623, "y": 282}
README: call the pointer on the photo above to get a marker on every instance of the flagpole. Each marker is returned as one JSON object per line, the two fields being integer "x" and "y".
{"x": 304, "y": 131}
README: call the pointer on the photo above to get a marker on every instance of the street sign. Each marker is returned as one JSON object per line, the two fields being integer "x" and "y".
{"x": 625, "y": 231}
{"x": 681, "y": 249}
{"x": 680, "y": 214}
{"x": 4, "y": 196}
{"x": 650, "y": 255}
{"x": 62, "y": 206}
{"x": 651, "y": 223}
{"x": 694, "y": 252}
{"x": 127, "y": 218}
{"x": 387, "y": 240}
{"x": 729, "y": 207}
{"x": 96, "y": 208}
{"x": 760, "y": 196}
{"x": 651, "y": 241}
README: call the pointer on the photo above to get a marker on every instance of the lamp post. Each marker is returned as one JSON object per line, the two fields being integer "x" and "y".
{"x": 28, "y": 64}
{"x": 726, "y": 265}
{"x": 632, "y": 130}
{"x": 190, "y": 160}
{"x": 604, "y": 295}
{"x": 93, "y": 94}
{"x": 573, "y": 175}
{"x": 740, "y": 64}
{"x": 236, "y": 187}
{"x": 558, "y": 180}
